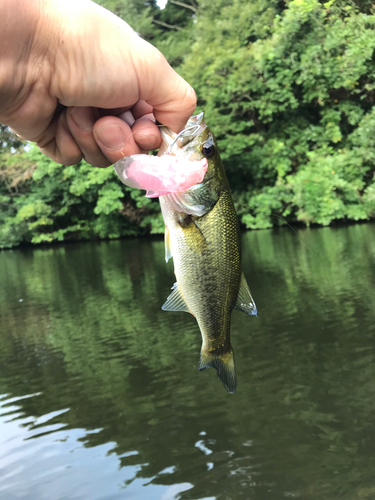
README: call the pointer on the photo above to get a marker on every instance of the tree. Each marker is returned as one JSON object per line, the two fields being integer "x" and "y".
{"x": 138, "y": 13}
{"x": 9, "y": 141}
{"x": 288, "y": 89}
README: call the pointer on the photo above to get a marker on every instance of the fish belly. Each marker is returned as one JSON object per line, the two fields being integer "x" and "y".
{"x": 206, "y": 255}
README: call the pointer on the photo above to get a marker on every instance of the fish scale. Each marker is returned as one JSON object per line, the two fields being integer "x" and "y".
{"x": 206, "y": 252}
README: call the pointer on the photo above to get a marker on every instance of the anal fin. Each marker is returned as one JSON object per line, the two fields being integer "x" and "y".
{"x": 245, "y": 301}
{"x": 175, "y": 302}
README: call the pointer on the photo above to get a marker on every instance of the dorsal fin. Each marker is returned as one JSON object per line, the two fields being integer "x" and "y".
{"x": 167, "y": 244}
{"x": 175, "y": 302}
{"x": 245, "y": 301}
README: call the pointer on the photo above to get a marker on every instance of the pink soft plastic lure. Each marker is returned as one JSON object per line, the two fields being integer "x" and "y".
{"x": 160, "y": 175}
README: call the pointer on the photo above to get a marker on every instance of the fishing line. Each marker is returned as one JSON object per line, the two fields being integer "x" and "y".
{"x": 193, "y": 129}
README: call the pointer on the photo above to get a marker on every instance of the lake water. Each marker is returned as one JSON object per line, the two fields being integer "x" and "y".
{"x": 100, "y": 396}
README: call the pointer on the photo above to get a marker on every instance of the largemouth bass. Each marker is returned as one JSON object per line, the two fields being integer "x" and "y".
{"x": 202, "y": 235}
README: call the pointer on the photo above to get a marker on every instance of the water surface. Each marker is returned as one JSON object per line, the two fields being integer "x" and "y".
{"x": 100, "y": 397}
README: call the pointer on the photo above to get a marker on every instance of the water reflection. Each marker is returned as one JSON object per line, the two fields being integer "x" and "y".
{"x": 117, "y": 409}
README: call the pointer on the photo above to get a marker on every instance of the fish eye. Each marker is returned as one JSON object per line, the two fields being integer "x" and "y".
{"x": 208, "y": 150}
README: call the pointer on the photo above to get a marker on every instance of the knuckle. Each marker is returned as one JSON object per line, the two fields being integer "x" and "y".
{"x": 190, "y": 98}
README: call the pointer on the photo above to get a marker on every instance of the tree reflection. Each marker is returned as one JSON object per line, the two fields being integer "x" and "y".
{"x": 90, "y": 336}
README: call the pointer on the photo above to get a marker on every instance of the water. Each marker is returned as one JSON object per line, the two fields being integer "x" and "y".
{"x": 100, "y": 397}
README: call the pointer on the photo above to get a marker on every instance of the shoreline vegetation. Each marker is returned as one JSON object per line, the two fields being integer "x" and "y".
{"x": 287, "y": 87}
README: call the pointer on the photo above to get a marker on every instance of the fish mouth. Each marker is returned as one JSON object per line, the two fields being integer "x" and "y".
{"x": 193, "y": 127}
{"x": 196, "y": 120}
{"x": 167, "y": 137}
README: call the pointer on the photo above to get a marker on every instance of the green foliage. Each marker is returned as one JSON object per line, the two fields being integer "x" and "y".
{"x": 42, "y": 201}
{"x": 9, "y": 141}
{"x": 138, "y": 13}
{"x": 288, "y": 89}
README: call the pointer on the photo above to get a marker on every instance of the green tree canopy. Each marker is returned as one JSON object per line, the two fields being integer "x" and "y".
{"x": 288, "y": 89}
{"x": 9, "y": 141}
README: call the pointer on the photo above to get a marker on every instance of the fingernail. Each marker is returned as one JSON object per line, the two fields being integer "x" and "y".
{"x": 111, "y": 136}
{"x": 83, "y": 118}
{"x": 147, "y": 140}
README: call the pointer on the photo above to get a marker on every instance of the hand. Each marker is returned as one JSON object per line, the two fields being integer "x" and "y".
{"x": 79, "y": 82}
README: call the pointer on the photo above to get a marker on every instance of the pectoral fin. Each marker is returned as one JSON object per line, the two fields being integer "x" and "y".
{"x": 167, "y": 244}
{"x": 175, "y": 302}
{"x": 245, "y": 301}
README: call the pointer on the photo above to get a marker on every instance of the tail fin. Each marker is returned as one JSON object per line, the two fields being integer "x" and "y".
{"x": 223, "y": 364}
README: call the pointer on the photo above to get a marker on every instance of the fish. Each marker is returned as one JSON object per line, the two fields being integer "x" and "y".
{"x": 202, "y": 235}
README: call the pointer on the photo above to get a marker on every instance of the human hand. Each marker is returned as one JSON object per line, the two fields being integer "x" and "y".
{"x": 79, "y": 82}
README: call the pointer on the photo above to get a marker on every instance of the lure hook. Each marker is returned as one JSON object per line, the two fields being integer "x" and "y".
{"x": 193, "y": 128}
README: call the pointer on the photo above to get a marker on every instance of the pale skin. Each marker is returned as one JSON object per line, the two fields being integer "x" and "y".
{"x": 80, "y": 83}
